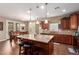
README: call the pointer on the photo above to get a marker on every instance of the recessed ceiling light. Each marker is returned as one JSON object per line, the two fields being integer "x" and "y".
{"x": 42, "y": 7}
{"x": 57, "y": 7}
{"x": 48, "y": 13}
{"x": 63, "y": 10}
{"x": 28, "y": 11}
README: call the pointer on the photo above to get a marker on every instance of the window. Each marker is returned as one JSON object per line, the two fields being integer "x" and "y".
{"x": 53, "y": 26}
{"x": 17, "y": 27}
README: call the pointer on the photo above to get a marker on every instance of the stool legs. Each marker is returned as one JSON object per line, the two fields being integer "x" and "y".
{"x": 28, "y": 51}
{"x": 19, "y": 50}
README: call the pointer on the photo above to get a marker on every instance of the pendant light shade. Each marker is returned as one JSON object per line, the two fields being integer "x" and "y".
{"x": 30, "y": 23}
{"x": 37, "y": 22}
{"x": 30, "y": 15}
{"x": 46, "y": 21}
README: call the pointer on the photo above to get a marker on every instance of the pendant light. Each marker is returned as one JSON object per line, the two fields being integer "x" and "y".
{"x": 37, "y": 22}
{"x": 30, "y": 15}
{"x": 46, "y": 21}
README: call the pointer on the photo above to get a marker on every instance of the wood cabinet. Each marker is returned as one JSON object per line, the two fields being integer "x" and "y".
{"x": 77, "y": 41}
{"x": 78, "y": 19}
{"x": 46, "y": 47}
{"x": 67, "y": 39}
{"x": 65, "y": 23}
{"x": 71, "y": 22}
{"x": 58, "y": 38}
{"x": 44, "y": 25}
{"x": 74, "y": 21}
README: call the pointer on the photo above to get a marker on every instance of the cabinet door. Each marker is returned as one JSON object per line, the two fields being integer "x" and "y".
{"x": 55, "y": 38}
{"x": 68, "y": 39}
{"x": 63, "y": 39}
{"x": 68, "y": 24}
{"x": 78, "y": 41}
{"x": 73, "y": 21}
{"x": 78, "y": 19}
{"x": 65, "y": 23}
{"x": 59, "y": 38}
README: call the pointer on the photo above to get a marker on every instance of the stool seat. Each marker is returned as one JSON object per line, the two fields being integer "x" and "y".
{"x": 26, "y": 46}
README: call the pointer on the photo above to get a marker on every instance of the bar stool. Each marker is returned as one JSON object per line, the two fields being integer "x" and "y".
{"x": 20, "y": 48}
{"x": 11, "y": 37}
{"x": 27, "y": 49}
{"x": 23, "y": 46}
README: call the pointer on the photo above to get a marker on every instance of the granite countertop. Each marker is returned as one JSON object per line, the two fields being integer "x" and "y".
{"x": 59, "y": 32}
{"x": 39, "y": 37}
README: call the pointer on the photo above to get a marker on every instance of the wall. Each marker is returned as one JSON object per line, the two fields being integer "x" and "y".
{"x": 51, "y": 20}
{"x": 14, "y": 22}
{"x": 54, "y": 19}
{"x": 4, "y": 34}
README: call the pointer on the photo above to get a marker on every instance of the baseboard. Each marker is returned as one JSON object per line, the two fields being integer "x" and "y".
{"x": 4, "y": 40}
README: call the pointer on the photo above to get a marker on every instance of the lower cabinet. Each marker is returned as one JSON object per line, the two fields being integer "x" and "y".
{"x": 67, "y": 39}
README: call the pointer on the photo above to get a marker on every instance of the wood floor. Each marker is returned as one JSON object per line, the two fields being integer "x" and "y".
{"x": 7, "y": 49}
{"x": 62, "y": 49}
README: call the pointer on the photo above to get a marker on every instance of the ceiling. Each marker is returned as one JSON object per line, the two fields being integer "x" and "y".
{"x": 18, "y": 11}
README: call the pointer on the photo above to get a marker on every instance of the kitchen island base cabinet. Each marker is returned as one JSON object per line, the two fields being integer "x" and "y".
{"x": 66, "y": 39}
{"x": 43, "y": 42}
{"x": 46, "y": 48}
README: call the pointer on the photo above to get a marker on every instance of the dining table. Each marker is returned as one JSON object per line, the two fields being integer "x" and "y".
{"x": 43, "y": 41}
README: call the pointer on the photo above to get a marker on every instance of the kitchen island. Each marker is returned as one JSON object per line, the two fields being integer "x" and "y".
{"x": 43, "y": 41}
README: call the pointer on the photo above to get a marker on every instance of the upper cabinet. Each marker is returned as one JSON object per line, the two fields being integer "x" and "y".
{"x": 78, "y": 19}
{"x": 70, "y": 22}
{"x": 65, "y": 22}
{"x": 44, "y": 25}
{"x": 74, "y": 21}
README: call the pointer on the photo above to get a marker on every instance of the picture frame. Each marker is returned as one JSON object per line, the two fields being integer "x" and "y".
{"x": 1, "y": 26}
